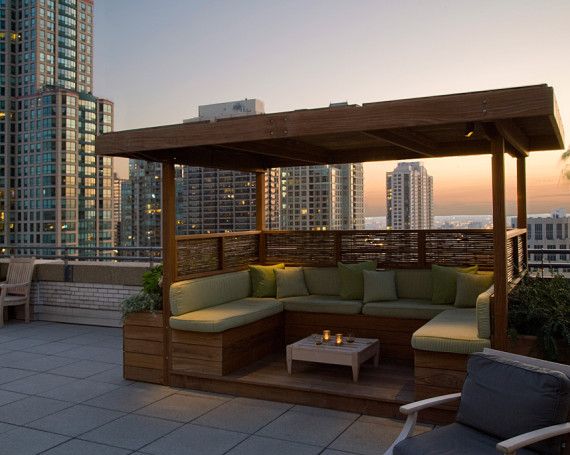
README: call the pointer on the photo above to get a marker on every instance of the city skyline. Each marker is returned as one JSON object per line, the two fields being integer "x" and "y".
{"x": 443, "y": 55}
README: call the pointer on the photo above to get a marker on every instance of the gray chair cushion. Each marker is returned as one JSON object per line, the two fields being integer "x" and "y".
{"x": 506, "y": 398}
{"x": 453, "y": 439}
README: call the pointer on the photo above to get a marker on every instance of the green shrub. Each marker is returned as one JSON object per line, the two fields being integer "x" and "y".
{"x": 150, "y": 297}
{"x": 541, "y": 307}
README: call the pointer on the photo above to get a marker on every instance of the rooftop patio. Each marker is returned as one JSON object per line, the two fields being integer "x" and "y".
{"x": 62, "y": 392}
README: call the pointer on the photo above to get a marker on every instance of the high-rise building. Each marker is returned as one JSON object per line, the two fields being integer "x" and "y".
{"x": 409, "y": 197}
{"x": 327, "y": 197}
{"x": 118, "y": 183}
{"x": 549, "y": 233}
{"x": 54, "y": 190}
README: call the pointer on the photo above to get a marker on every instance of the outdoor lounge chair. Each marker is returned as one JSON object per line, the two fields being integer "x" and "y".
{"x": 509, "y": 403}
{"x": 16, "y": 289}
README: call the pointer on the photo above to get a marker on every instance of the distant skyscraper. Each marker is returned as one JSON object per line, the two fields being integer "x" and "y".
{"x": 409, "y": 197}
{"x": 117, "y": 207}
{"x": 549, "y": 233}
{"x": 54, "y": 190}
{"x": 328, "y": 197}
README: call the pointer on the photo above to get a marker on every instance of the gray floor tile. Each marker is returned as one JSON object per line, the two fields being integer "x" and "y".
{"x": 182, "y": 408}
{"x": 20, "y": 344}
{"x": 79, "y": 390}
{"x": 25, "y": 441}
{"x": 195, "y": 439}
{"x": 371, "y": 435}
{"x": 82, "y": 369}
{"x": 128, "y": 399}
{"x": 56, "y": 347}
{"x": 29, "y": 409}
{"x": 9, "y": 397}
{"x": 112, "y": 376}
{"x": 131, "y": 431}
{"x": 8, "y": 360}
{"x": 259, "y": 445}
{"x": 309, "y": 425}
{"x": 11, "y": 374}
{"x": 42, "y": 363}
{"x": 75, "y": 420}
{"x": 37, "y": 384}
{"x": 78, "y": 447}
{"x": 243, "y": 414}
{"x": 336, "y": 452}
{"x": 5, "y": 427}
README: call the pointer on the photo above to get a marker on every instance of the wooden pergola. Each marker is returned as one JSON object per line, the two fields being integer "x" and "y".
{"x": 516, "y": 121}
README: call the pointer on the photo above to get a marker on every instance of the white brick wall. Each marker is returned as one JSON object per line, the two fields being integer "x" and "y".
{"x": 82, "y": 303}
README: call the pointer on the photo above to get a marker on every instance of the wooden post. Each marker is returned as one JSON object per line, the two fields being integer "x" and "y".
{"x": 500, "y": 305}
{"x": 521, "y": 192}
{"x": 260, "y": 201}
{"x": 168, "y": 254}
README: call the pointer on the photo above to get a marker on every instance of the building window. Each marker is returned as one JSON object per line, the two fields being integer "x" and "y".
{"x": 549, "y": 231}
{"x": 538, "y": 232}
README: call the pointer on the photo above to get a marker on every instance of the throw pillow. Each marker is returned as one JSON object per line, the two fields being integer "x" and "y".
{"x": 469, "y": 286}
{"x": 445, "y": 282}
{"x": 263, "y": 279}
{"x": 379, "y": 286}
{"x": 290, "y": 282}
{"x": 351, "y": 279}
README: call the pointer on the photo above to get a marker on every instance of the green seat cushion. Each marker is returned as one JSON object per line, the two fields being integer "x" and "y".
{"x": 405, "y": 309}
{"x": 452, "y": 331}
{"x": 351, "y": 279}
{"x": 198, "y": 293}
{"x": 445, "y": 282}
{"x": 290, "y": 282}
{"x": 322, "y": 304}
{"x": 379, "y": 285}
{"x": 469, "y": 286}
{"x": 263, "y": 280}
{"x": 414, "y": 283}
{"x": 227, "y": 316}
{"x": 322, "y": 280}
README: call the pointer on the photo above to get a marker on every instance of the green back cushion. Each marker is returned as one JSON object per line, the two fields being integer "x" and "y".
{"x": 351, "y": 279}
{"x": 445, "y": 282}
{"x": 469, "y": 286}
{"x": 322, "y": 280}
{"x": 193, "y": 295}
{"x": 379, "y": 286}
{"x": 414, "y": 283}
{"x": 263, "y": 280}
{"x": 290, "y": 282}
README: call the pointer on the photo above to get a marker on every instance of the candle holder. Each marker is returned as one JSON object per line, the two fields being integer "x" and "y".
{"x": 326, "y": 336}
{"x": 318, "y": 339}
{"x": 338, "y": 339}
{"x": 350, "y": 338}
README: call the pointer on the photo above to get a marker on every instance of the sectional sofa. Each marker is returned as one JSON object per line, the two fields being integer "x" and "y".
{"x": 217, "y": 326}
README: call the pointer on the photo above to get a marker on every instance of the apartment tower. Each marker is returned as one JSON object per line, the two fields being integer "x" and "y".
{"x": 54, "y": 190}
{"x": 409, "y": 197}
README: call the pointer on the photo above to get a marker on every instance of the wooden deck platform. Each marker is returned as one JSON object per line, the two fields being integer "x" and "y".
{"x": 379, "y": 391}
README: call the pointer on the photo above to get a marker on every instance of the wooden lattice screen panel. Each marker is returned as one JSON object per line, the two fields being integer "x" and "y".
{"x": 450, "y": 247}
{"x": 398, "y": 249}
{"x": 206, "y": 254}
{"x": 516, "y": 253}
{"x": 318, "y": 248}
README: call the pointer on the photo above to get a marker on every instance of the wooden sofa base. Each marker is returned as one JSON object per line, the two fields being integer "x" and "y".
{"x": 438, "y": 373}
{"x": 395, "y": 334}
{"x": 221, "y": 353}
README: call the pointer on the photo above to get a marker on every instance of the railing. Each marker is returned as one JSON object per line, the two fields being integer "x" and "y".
{"x": 543, "y": 264}
{"x": 80, "y": 253}
{"x": 208, "y": 254}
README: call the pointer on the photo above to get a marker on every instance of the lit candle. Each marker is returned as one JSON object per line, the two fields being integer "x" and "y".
{"x": 326, "y": 336}
{"x": 338, "y": 341}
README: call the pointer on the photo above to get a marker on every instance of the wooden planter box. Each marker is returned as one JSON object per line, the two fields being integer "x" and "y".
{"x": 528, "y": 345}
{"x": 143, "y": 347}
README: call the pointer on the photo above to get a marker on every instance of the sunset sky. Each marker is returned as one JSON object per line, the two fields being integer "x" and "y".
{"x": 159, "y": 60}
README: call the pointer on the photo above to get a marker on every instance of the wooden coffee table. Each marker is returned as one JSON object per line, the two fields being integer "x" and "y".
{"x": 351, "y": 354}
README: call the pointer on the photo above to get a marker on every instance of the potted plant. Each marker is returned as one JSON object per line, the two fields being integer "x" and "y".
{"x": 539, "y": 318}
{"x": 143, "y": 331}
